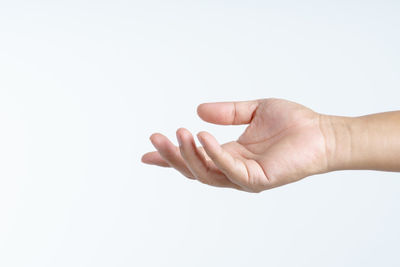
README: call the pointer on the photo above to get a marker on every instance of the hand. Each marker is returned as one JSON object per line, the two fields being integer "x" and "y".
{"x": 283, "y": 143}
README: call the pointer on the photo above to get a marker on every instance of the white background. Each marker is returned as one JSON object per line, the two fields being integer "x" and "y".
{"x": 84, "y": 84}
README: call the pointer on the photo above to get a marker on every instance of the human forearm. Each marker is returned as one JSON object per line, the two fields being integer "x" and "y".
{"x": 368, "y": 142}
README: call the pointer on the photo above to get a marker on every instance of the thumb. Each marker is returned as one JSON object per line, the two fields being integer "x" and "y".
{"x": 228, "y": 113}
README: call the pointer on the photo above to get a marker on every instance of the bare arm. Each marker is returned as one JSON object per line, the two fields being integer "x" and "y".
{"x": 368, "y": 142}
{"x": 283, "y": 143}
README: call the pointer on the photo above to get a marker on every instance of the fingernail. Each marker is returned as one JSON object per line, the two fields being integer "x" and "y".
{"x": 179, "y": 140}
{"x": 200, "y": 139}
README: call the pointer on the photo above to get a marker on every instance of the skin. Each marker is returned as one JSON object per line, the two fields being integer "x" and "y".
{"x": 283, "y": 143}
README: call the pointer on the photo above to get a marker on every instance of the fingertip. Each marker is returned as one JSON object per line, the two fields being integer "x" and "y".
{"x": 206, "y": 111}
{"x": 202, "y": 133}
{"x": 200, "y": 109}
{"x": 155, "y": 137}
{"x": 145, "y": 158}
{"x": 209, "y": 143}
{"x": 158, "y": 140}
{"x": 201, "y": 136}
{"x": 183, "y": 134}
{"x": 206, "y": 135}
{"x": 154, "y": 158}
{"x": 180, "y": 131}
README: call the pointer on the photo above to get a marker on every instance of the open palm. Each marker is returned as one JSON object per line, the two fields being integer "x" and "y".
{"x": 283, "y": 143}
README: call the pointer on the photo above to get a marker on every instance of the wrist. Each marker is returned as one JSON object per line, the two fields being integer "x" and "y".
{"x": 339, "y": 141}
